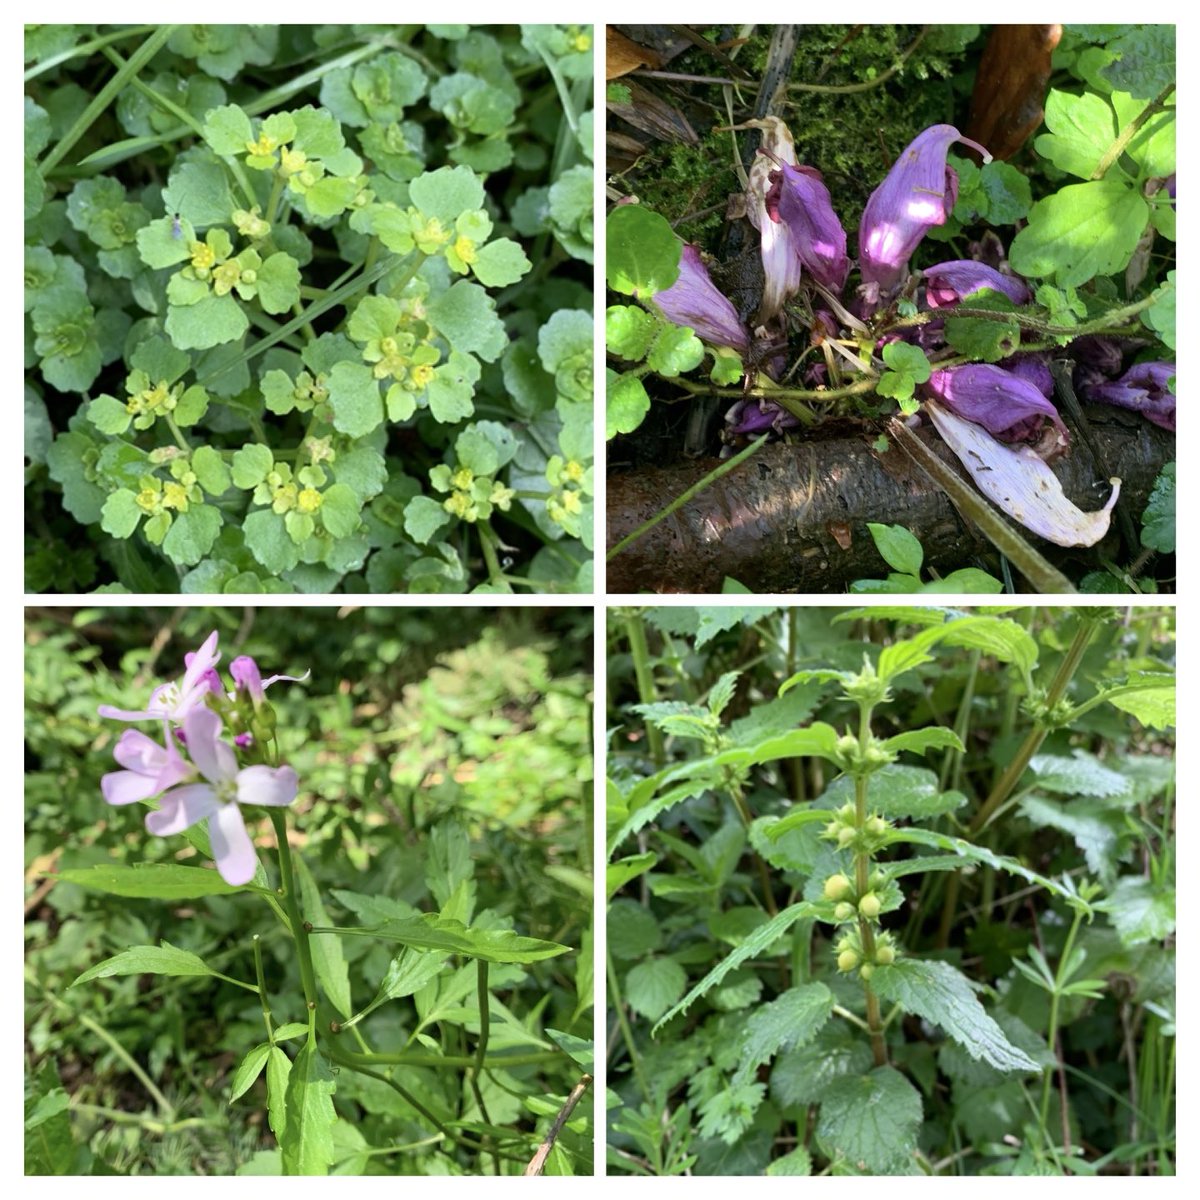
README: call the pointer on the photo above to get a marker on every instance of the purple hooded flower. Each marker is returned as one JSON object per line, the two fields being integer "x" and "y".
{"x": 781, "y": 263}
{"x": 1007, "y": 406}
{"x": 693, "y": 301}
{"x": 949, "y": 282}
{"x": 800, "y": 201}
{"x": 757, "y": 416}
{"x": 1142, "y": 388}
{"x": 918, "y": 193}
{"x": 1033, "y": 369}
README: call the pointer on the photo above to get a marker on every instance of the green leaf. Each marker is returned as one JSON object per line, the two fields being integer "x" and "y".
{"x": 897, "y": 792}
{"x": 1083, "y": 230}
{"x": 1082, "y": 774}
{"x": 227, "y": 130}
{"x": 941, "y": 995}
{"x": 795, "y": 1162}
{"x": 1150, "y": 697}
{"x": 1081, "y": 130}
{"x": 423, "y": 517}
{"x": 1160, "y": 316}
{"x": 622, "y": 870}
{"x": 653, "y": 986}
{"x": 627, "y": 405}
{"x": 212, "y": 321}
{"x": 328, "y": 960}
{"x": 1140, "y": 911}
{"x": 151, "y": 881}
{"x": 643, "y": 251}
{"x": 340, "y": 510}
{"x": 279, "y": 1069}
{"x": 921, "y": 741}
{"x": 249, "y": 1070}
{"x": 451, "y": 391}
{"x": 251, "y": 465}
{"x": 355, "y": 399}
{"x": 1158, "y": 521}
{"x": 121, "y": 514}
{"x": 759, "y": 941}
{"x": 629, "y": 331}
{"x": 192, "y": 534}
{"x": 872, "y": 1120}
{"x": 908, "y": 360}
{"x": 278, "y": 284}
{"x": 500, "y": 263}
{"x": 898, "y": 547}
{"x": 802, "y": 1076}
{"x": 268, "y": 540}
{"x": 1145, "y": 60}
{"x": 211, "y": 472}
{"x": 432, "y": 932}
{"x": 164, "y": 959}
{"x": 446, "y": 193}
{"x": 1094, "y": 830}
{"x": 675, "y": 350}
{"x": 790, "y": 1020}
{"x": 1008, "y": 193}
{"x": 466, "y": 316}
{"x": 983, "y": 340}
{"x": 307, "y": 1143}
{"x": 109, "y": 415}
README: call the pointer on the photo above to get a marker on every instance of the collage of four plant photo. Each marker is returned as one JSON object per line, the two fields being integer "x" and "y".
{"x": 406, "y": 794}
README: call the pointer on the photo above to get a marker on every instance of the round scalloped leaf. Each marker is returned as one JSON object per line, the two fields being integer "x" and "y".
{"x": 445, "y": 193}
{"x": 211, "y": 472}
{"x": 268, "y": 540}
{"x": 340, "y": 510}
{"x": 278, "y": 283}
{"x": 354, "y": 396}
{"x": 192, "y": 534}
{"x": 121, "y": 514}
{"x": 500, "y": 263}
{"x": 212, "y": 321}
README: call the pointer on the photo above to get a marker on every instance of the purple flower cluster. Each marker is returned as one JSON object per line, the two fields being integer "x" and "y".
{"x": 801, "y": 237}
{"x": 213, "y": 784}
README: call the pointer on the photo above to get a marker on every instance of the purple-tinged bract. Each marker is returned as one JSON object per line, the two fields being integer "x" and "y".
{"x": 1142, "y": 388}
{"x": 800, "y": 201}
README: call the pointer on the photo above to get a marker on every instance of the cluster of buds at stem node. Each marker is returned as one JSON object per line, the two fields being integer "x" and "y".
{"x": 851, "y": 956}
{"x": 866, "y": 687}
{"x": 1047, "y": 715}
{"x": 846, "y": 833}
{"x": 849, "y": 904}
{"x": 857, "y": 758}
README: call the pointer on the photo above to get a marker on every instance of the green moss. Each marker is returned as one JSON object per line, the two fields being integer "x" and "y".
{"x": 851, "y": 137}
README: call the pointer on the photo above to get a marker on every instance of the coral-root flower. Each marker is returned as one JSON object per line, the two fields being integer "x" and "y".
{"x": 219, "y": 798}
{"x": 173, "y": 701}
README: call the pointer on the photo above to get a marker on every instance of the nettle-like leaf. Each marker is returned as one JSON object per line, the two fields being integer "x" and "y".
{"x": 870, "y": 1120}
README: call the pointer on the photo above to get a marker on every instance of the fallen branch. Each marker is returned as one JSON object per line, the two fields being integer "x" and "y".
{"x": 793, "y": 518}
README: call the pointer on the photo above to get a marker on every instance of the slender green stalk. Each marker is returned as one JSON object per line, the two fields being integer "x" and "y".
{"x": 615, "y": 999}
{"x": 107, "y": 94}
{"x": 262, "y": 988}
{"x": 135, "y": 1068}
{"x": 1122, "y": 140}
{"x": 488, "y": 542}
{"x": 87, "y": 49}
{"x": 635, "y": 631}
{"x": 418, "y": 1058}
{"x": 485, "y": 1017}
{"x": 291, "y": 902}
{"x": 686, "y": 497}
{"x": 1052, "y": 1030}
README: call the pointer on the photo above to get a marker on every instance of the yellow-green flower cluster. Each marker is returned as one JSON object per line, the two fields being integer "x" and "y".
{"x": 472, "y": 497}
{"x": 147, "y": 402}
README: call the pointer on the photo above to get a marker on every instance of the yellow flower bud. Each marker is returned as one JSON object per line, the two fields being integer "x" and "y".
{"x": 869, "y": 906}
{"x": 847, "y": 960}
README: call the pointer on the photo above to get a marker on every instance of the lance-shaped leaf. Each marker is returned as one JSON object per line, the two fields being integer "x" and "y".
{"x": 948, "y": 282}
{"x": 694, "y": 301}
{"x": 781, "y": 264}
{"x": 1020, "y": 483}
{"x": 1142, "y": 388}
{"x": 1008, "y": 406}
{"x": 918, "y": 193}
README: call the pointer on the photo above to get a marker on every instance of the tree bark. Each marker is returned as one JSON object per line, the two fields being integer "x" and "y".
{"x": 793, "y": 517}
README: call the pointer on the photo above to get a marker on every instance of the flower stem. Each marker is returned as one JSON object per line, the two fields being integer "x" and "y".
{"x": 481, "y": 1049}
{"x": 862, "y": 876}
{"x": 262, "y": 988}
{"x": 635, "y": 631}
{"x": 291, "y": 903}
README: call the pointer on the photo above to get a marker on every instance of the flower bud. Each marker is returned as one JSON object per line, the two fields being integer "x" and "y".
{"x": 869, "y": 906}
{"x": 884, "y": 955}
{"x": 867, "y": 971}
{"x": 845, "y": 837}
{"x": 876, "y": 826}
{"x": 844, "y": 911}
{"x": 847, "y": 960}
{"x": 837, "y": 887}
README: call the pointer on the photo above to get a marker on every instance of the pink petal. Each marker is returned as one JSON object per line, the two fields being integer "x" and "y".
{"x": 128, "y": 787}
{"x": 1020, "y": 483}
{"x": 200, "y": 663}
{"x": 694, "y": 301}
{"x": 216, "y": 760}
{"x": 231, "y": 845}
{"x": 267, "y": 785}
{"x": 182, "y": 808}
{"x": 137, "y": 752}
{"x": 125, "y": 714}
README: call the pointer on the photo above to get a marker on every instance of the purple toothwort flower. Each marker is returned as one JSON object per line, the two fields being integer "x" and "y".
{"x": 918, "y": 193}
{"x": 248, "y": 678}
{"x": 799, "y": 200}
{"x": 757, "y": 416}
{"x": 173, "y": 701}
{"x": 694, "y": 301}
{"x": 219, "y": 798}
{"x": 1142, "y": 388}
{"x": 781, "y": 264}
{"x": 949, "y": 282}
{"x": 149, "y": 769}
{"x": 1009, "y": 407}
